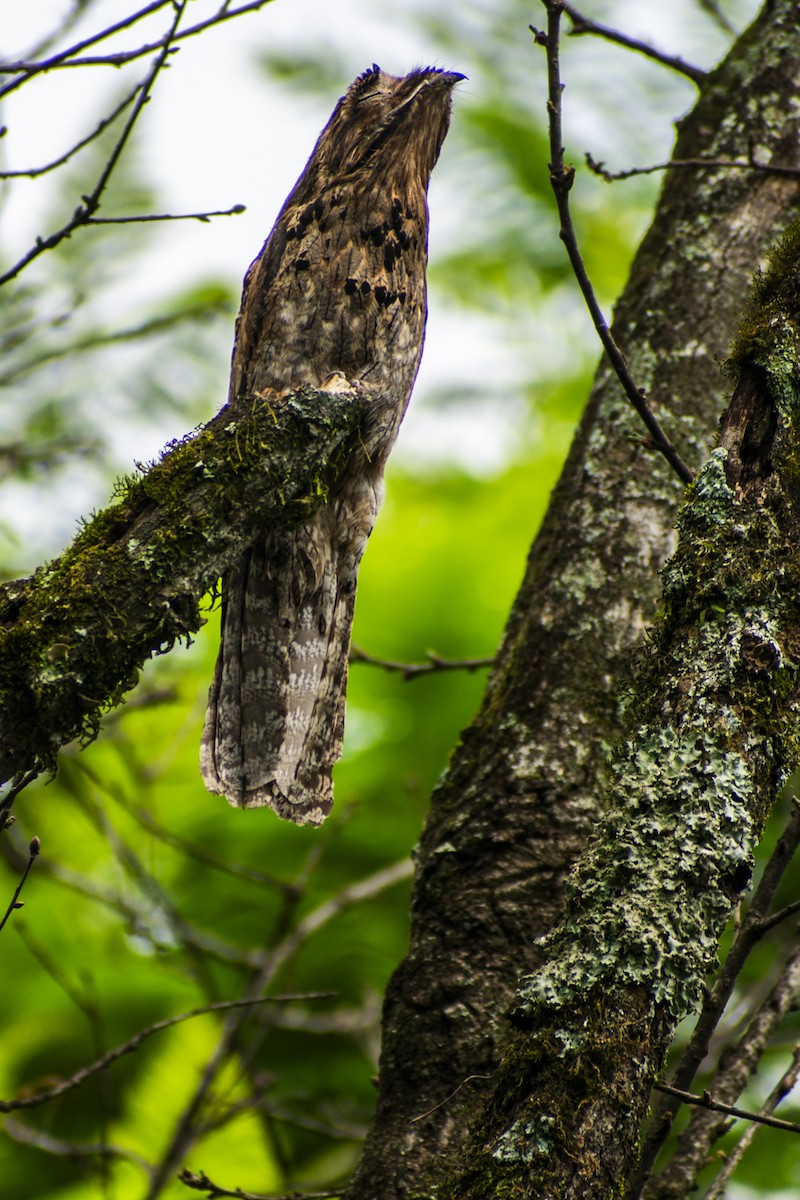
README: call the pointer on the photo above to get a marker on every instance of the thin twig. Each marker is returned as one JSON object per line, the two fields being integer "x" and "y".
{"x": 434, "y": 664}
{"x": 50, "y": 962}
{"x": 581, "y": 25}
{"x": 693, "y": 164}
{"x": 91, "y": 202}
{"x": 272, "y": 962}
{"x": 713, "y": 9}
{"x": 18, "y": 784}
{"x": 716, "y": 1000}
{"x": 23, "y": 1133}
{"x": 107, "y": 1060}
{"x": 738, "y": 1066}
{"x": 26, "y": 454}
{"x": 770, "y": 922}
{"x": 302, "y": 1120}
{"x": 35, "y": 172}
{"x": 201, "y": 1183}
{"x": 33, "y": 853}
{"x": 26, "y": 70}
{"x": 561, "y": 179}
{"x": 730, "y": 1110}
{"x": 234, "y": 210}
{"x": 198, "y": 943}
{"x": 86, "y": 1003}
{"x": 784, "y": 1085}
{"x": 66, "y": 58}
{"x": 447, "y": 1099}
{"x": 199, "y": 853}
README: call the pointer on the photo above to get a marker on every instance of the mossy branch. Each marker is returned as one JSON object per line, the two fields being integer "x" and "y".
{"x": 713, "y": 737}
{"x": 74, "y": 635}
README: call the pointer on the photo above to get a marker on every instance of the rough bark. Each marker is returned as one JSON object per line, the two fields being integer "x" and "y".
{"x": 73, "y": 636}
{"x": 514, "y": 810}
{"x": 714, "y": 735}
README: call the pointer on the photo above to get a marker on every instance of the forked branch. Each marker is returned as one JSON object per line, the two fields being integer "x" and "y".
{"x": 562, "y": 178}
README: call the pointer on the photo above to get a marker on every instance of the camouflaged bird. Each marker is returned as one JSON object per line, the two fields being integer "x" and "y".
{"x": 336, "y": 300}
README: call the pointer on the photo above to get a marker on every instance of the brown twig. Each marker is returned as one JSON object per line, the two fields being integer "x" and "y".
{"x": 201, "y": 1183}
{"x": 199, "y": 853}
{"x": 233, "y": 211}
{"x": 33, "y": 853}
{"x": 66, "y": 58}
{"x": 782, "y": 1088}
{"x": 91, "y": 202}
{"x": 561, "y": 179}
{"x": 714, "y": 11}
{"x": 107, "y": 1060}
{"x": 25, "y": 454}
{"x": 694, "y": 164}
{"x": 752, "y": 930}
{"x": 582, "y": 25}
{"x": 273, "y": 960}
{"x": 730, "y": 1110}
{"x": 18, "y": 784}
{"x": 434, "y": 664}
{"x": 197, "y": 942}
{"x": 23, "y": 1133}
{"x": 739, "y": 1064}
{"x": 35, "y": 172}
{"x": 26, "y": 70}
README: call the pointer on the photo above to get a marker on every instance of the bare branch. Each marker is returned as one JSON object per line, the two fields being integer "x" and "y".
{"x": 716, "y": 1000}
{"x": 770, "y": 922}
{"x": 14, "y": 454}
{"x": 140, "y": 220}
{"x": 102, "y": 1064}
{"x": 708, "y": 1101}
{"x": 739, "y": 1064}
{"x": 272, "y": 961}
{"x": 56, "y": 969}
{"x": 434, "y": 665}
{"x": 714, "y": 11}
{"x": 562, "y": 178}
{"x": 26, "y": 70}
{"x": 67, "y": 58}
{"x": 201, "y": 1183}
{"x": 199, "y": 853}
{"x": 23, "y": 1133}
{"x": 693, "y": 164}
{"x": 33, "y": 853}
{"x": 784, "y": 1085}
{"x": 194, "y": 940}
{"x": 145, "y": 562}
{"x": 582, "y": 25}
{"x": 91, "y": 202}
{"x": 18, "y": 784}
{"x": 34, "y": 172}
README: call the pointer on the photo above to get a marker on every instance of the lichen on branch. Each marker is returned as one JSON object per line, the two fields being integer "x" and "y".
{"x": 74, "y": 635}
{"x": 713, "y": 736}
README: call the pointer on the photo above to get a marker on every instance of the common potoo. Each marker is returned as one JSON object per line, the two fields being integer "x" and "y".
{"x": 336, "y": 299}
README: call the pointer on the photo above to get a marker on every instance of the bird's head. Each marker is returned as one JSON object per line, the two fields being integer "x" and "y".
{"x": 385, "y": 126}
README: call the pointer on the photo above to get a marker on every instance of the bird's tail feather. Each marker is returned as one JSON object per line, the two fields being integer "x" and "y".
{"x": 275, "y": 716}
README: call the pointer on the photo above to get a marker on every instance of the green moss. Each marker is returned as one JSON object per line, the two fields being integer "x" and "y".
{"x": 769, "y": 335}
{"x": 714, "y": 732}
{"x": 130, "y": 585}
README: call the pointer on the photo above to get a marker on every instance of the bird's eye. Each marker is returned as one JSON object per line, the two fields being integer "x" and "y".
{"x": 371, "y": 95}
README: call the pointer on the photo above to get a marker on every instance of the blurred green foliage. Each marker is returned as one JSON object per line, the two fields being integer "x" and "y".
{"x": 151, "y": 897}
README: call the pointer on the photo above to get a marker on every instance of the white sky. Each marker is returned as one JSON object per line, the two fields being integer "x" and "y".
{"x": 217, "y": 133}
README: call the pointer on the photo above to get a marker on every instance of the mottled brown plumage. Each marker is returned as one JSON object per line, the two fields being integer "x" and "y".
{"x": 336, "y": 299}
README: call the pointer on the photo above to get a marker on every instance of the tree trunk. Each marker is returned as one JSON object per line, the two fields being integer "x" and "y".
{"x": 524, "y": 788}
